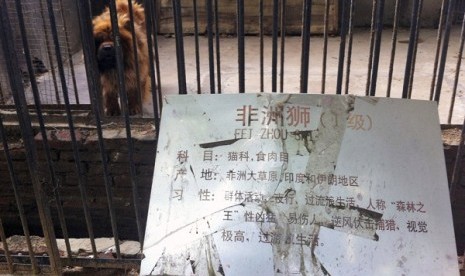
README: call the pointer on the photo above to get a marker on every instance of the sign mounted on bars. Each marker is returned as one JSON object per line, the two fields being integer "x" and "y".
{"x": 263, "y": 184}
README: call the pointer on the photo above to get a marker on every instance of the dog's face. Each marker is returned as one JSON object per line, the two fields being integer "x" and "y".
{"x": 104, "y": 40}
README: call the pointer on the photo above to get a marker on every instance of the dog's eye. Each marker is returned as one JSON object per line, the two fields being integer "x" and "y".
{"x": 99, "y": 38}
{"x": 127, "y": 25}
{"x": 98, "y": 41}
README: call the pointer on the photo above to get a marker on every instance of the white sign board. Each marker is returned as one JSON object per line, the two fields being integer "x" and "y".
{"x": 278, "y": 184}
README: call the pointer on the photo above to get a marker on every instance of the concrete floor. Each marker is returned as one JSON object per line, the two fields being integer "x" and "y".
{"x": 358, "y": 70}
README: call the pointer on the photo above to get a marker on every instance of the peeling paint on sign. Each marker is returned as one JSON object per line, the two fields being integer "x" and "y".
{"x": 263, "y": 184}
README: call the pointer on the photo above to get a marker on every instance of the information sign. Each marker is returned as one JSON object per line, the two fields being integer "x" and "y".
{"x": 290, "y": 184}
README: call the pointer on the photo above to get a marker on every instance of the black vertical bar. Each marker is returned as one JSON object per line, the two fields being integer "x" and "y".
{"x": 393, "y": 47}
{"x": 260, "y": 22}
{"x": 151, "y": 30}
{"x": 377, "y": 47}
{"x": 325, "y": 47}
{"x": 457, "y": 71}
{"x": 438, "y": 48}
{"x": 217, "y": 47}
{"x": 90, "y": 70}
{"x": 94, "y": 89}
{"x": 349, "y": 49}
{"x": 19, "y": 204}
{"x": 155, "y": 90}
{"x": 211, "y": 64}
{"x": 124, "y": 103}
{"x": 136, "y": 55}
{"x": 415, "y": 48}
{"x": 151, "y": 33}
{"x": 411, "y": 47}
{"x": 372, "y": 42}
{"x": 179, "y": 46}
{"x": 119, "y": 58}
{"x": 283, "y": 37}
{"x": 414, "y": 57}
{"x": 49, "y": 53}
{"x": 28, "y": 138}
{"x": 342, "y": 46}
{"x": 70, "y": 56}
{"x": 5, "y": 249}
{"x": 445, "y": 44}
{"x": 77, "y": 159}
{"x": 274, "y": 54}
{"x": 2, "y": 97}
{"x": 197, "y": 51}
{"x": 304, "y": 58}
{"x": 240, "y": 45}
{"x": 35, "y": 92}
{"x": 458, "y": 168}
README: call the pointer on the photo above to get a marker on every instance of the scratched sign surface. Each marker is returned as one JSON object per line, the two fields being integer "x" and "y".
{"x": 262, "y": 184}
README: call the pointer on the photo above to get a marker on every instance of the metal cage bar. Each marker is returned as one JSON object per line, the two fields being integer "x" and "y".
{"x": 79, "y": 169}
{"x": 349, "y": 50}
{"x": 94, "y": 90}
{"x": 444, "y": 49}
{"x": 377, "y": 46}
{"x": 240, "y": 45}
{"x": 416, "y": 11}
{"x": 9, "y": 260}
{"x": 342, "y": 46}
{"x": 274, "y": 50}
{"x": 70, "y": 56}
{"x": 261, "y": 34}
{"x": 372, "y": 43}
{"x": 27, "y": 135}
{"x": 415, "y": 49}
{"x": 217, "y": 47}
{"x": 197, "y": 47}
{"x": 438, "y": 49}
{"x": 209, "y": 10}
{"x": 393, "y": 46}
{"x": 124, "y": 105}
{"x": 19, "y": 203}
{"x": 457, "y": 72}
{"x": 325, "y": 47}
{"x": 179, "y": 47}
{"x": 305, "y": 56}
{"x": 49, "y": 53}
{"x": 282, "y": 34}
{"x": 152, "y": 45}
{"x": 136, "y": 54}
{"x": 37, "y": 102}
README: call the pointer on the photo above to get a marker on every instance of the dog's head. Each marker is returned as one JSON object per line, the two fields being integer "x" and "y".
{"x": 105, "y": 43}
{"x": 138, "y": 13}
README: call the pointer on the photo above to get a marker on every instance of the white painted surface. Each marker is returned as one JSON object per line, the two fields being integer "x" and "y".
{"x": 380, "y": 150}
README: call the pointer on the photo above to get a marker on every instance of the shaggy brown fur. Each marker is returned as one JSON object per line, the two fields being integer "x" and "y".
{"x": 106, "y": 57}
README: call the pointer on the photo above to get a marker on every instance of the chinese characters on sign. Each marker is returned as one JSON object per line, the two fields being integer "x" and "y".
{"x": 298, "y": 185}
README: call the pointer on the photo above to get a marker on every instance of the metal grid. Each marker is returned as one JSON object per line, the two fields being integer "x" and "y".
{"x": 44, "y": 61}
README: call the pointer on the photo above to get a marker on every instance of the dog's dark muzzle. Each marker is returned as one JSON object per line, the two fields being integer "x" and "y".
{"x": 106, "y": 56}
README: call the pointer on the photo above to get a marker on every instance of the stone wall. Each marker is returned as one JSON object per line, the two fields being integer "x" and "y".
{"x": 68, "y": 181}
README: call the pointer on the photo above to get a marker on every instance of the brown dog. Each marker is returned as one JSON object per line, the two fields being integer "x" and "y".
{"x": 106, "y": 57}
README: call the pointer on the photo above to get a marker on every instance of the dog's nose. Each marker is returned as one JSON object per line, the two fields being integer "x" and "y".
{"x": 107, "y": 47}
